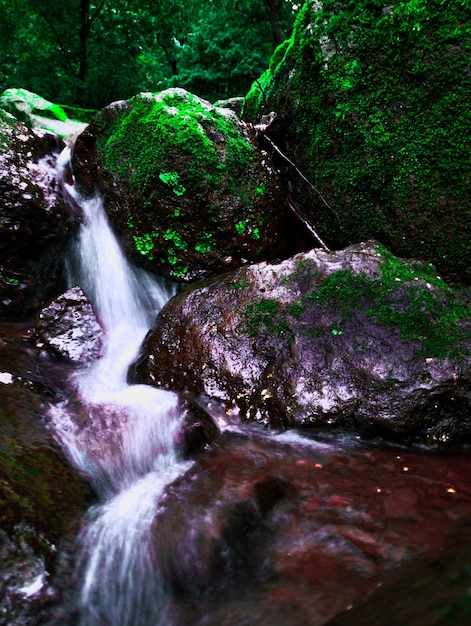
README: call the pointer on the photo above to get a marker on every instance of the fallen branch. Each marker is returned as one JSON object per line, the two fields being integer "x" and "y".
{"x": 306, "y": 224}
{"x": 260, "y": 129}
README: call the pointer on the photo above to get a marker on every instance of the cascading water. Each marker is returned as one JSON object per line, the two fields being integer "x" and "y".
{"x": 120, "y": 436}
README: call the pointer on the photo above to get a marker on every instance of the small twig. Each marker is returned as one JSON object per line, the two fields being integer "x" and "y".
{"x": 288, "y": 160}
{"x": 306, "y": 224}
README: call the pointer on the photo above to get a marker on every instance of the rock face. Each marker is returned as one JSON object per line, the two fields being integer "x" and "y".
{"x": 41, "y": 498}
{"x": 70, "y": 327}
{"x": 372, "y": 106}
{"x": 37, "y": 218}
{"x": 353, "y": 338}
{"x": 186, "y": 188}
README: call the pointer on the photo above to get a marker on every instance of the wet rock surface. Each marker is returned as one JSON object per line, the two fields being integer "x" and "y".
{"x": 186, "y": 187}
{"x": 355, "y": 338}
{"x": 70, "y": 327}
{"x": 41, "y": 497}
{"x": 300, "y": 527}
{"x": 37, "y": 112}
{"x": 37, "y": 218}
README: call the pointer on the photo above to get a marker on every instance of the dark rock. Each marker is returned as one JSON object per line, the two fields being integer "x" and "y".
{"x": 426, "y": 592}
{"x": 372, "y": 106}
{"x": 41, "y": 497}
{"x": 37, "y": 218}
{"x": 219, "y": 548}
{"x": 186, "y": 187}
{"x": 199, "y": 429}
{"x": 355, "y": 338}
{"x": 70, "y": 327}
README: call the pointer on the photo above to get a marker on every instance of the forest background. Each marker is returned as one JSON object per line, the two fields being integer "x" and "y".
{"x": 88, "y": 54}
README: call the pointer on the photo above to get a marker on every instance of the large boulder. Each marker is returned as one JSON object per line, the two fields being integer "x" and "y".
{"x": 185, "y": 185}
{"x": 372, "y": 104}
{"x": 356, "y": 338}
{"x": 37, "y": 218}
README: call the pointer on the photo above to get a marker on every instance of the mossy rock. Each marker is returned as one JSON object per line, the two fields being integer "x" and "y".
{"x": 37, "y": 218}
{"x": 372, "y": 100}
{"x": 357, "y": 339}
{"x": 37, "y": 112}
{"x": 185, "y": 185}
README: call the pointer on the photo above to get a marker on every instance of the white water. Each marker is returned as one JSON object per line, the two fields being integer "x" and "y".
{"x": 120, "y": 436}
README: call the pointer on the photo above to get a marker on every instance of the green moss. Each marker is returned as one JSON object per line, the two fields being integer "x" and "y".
{"x": 144, "y": 141}
{"x": 195, "y": 150}
{"x": 406, "y": 297}
{"x": 172, "y": 179}
{"x": 264, "y": 317}
{"x": 378, "y": 97}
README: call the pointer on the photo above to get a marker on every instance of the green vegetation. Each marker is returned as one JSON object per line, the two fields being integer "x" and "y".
{"x": 264, "y": 317}
{"x": 143, "y": 142}
{"x": 142, "y": 146}
{"x": 93, "y": 53}
{"x": 172, "y": 179}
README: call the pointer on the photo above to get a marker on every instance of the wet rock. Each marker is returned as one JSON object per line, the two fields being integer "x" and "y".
{"x": 295, "y": 528}
{"x": 41, "y": 497}
{"x": 199, "y": 429}
{"x": 426, "y": 592}
{"x": 186, "y": 187}
{"x": 354, "y": 339}
{"x": 371, "y": 104}
{"x": 70, "y": 327}
{"x": 37, "y": 218}
{"x": 220, "y": 546}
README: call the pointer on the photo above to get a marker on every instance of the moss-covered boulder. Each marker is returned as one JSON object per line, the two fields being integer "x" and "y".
{"x": 37, "y": 218}
{"x": 372, "y": 100}
{"x": 37, "y": 112}
{"x": 185, "y": 186}
{"x": 353, "y": 339}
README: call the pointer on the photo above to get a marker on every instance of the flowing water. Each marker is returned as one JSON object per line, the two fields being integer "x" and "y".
{"x": 121, "y": 437}
{"x": 261, "y": 529}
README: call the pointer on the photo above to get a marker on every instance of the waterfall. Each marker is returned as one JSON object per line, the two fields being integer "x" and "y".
{"x": 120, "y": 436}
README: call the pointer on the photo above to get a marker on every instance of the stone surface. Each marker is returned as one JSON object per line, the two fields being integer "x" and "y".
{"x": 352, "y": 339}
{"x": 37, "y": 218}
{"x": 372, "y": 105}
{"x": 41, "y": 497}
{"x": 186, "y": 187}
{"x": 294, "y": 529}
{"x": 70, "y": 327}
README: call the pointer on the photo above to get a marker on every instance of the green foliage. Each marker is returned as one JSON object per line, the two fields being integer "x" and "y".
{"x": 93, "y": 53}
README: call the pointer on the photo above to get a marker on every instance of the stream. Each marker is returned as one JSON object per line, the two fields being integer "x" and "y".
{"x": 260, "y": 529}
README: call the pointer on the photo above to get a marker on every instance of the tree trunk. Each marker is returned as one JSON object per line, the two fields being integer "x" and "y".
{"x": 272, "y": 11}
